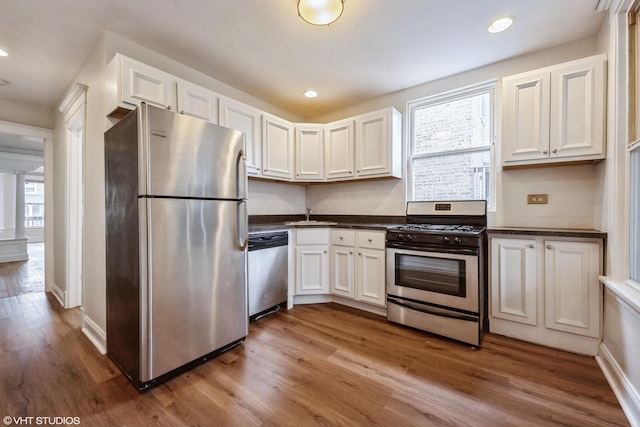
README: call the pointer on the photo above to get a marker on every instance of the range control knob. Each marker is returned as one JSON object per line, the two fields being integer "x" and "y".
{"x": 457, "y": 240}
{"x": 401, "y": 236}
{"x": 409, "y": 237}
{"x": 445, "y": 239}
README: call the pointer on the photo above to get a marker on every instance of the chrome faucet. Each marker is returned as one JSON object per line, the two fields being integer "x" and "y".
{"x": 308, "y": 213}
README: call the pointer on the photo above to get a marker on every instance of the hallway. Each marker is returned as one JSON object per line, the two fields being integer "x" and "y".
{"x": 23, "y": 277}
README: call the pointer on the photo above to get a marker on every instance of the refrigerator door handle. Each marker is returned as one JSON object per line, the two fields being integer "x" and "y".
{"x": 241, "y": 175}
{"x": 243, "y": 232}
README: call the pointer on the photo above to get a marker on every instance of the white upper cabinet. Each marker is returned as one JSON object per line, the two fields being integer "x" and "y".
{"x": 360, "y": 147}
{"x": 238, "y": 116}
{"x": 555, "y": 114}
{"x": 378, "y": 144}
{"x": 197, "y": 101}
{"x": 138, "y": 82}
{"x": 339, "y": 150}
{"x": 309, "y": 150}
{"x": 277, "y": 147}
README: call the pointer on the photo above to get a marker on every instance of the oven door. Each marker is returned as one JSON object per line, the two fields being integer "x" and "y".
{"x": 444, "y": 279}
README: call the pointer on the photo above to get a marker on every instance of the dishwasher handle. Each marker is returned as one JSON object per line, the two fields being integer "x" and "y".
{"x": 258, "y": 241}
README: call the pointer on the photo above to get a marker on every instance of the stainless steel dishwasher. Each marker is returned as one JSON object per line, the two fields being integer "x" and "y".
{"x": 268, "y": 273}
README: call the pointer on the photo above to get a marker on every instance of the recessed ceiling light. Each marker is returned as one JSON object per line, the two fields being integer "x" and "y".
{"x": 501, "y": 24}
{"x": 310, "y": 93}
{"x": 3, "y": 53}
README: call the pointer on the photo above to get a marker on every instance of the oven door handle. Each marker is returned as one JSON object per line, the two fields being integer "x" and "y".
{"x": 433, "y": 311}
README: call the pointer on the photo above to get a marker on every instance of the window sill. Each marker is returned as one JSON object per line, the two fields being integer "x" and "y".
{"x": 627, "y": 292}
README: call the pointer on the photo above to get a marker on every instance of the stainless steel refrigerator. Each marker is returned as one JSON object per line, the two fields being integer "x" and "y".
{"x": 176, "y": 237}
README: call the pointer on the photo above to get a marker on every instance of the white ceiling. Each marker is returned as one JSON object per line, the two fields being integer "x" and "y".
{"x": 265, "y": 49}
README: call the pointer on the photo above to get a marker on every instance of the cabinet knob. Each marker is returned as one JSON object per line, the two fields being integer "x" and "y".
{"x": 325, "y": 252}
{"x": 341, "y": 237}
{"x": 168, "y": 107}
{"x": 530, "y": 246}
{"x": 549, "y": 247}
{"x": 555, "y": 150}
{"x": 350, "y": 252}
{"x": 370, "y": 240}
{"x": 182, "y": 112}
{"x": 359, "y": 253}
{"x": 545, "y": 152}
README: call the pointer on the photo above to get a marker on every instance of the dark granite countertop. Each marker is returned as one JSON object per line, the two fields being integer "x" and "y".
{"x": 552, "y": 232}
{"x": 263, "y": 223}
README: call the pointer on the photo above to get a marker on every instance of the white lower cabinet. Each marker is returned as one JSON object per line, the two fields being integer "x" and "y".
{"x": 342, "y": 262}
{"x": 312, "y": 261}
{"x": 358, "y": 265}
{"x": 546, "y": 290}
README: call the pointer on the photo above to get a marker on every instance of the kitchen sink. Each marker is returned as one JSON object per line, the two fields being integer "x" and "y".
{"x": 311, "y": 223}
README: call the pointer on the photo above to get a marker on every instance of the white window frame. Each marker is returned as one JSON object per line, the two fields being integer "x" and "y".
{"x": 633, "y": 274}
{"x": 489, "y": 87}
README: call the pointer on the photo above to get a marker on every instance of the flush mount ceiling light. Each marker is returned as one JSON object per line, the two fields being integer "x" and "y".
{"x": 320, "y": 12}
{"x": 500, "y": 24}
{"x": 3, "y": 53}
{"x": 310, "y": 93}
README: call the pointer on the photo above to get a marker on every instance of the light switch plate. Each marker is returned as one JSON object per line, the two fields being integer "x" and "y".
{"x": 537, "y": 199}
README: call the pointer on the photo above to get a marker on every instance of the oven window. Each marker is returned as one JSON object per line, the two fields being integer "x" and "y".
{"x": 441, "y": 275}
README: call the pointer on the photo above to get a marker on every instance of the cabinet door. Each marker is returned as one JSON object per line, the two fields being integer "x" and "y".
{"x": 573, "y": 297}
{"x": 238, "y": 116}
{"x": 526, "y": 116}
{"x": 578, "y": 109}
{"x": 513, "y": 280}
{"x": 339, "y": 146}
{"x": 310, "y": 152}
{"x": 312, "y": 269}
{"x": 370, "y": 276}
{"x": 142, "y": 83}
{"x": 342, "y": 271}
{"x": 372, "y": 144}
{"x": 197, "y": 101}
{"x": 277, "y": 147}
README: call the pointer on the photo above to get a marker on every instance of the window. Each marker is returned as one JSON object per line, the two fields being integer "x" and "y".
{"x": 451, "y": 145}
{"x": 634, "y": 212}
{"x": 34, "y": 204}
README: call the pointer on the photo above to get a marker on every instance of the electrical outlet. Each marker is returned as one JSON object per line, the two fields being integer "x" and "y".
{"x": 537, "y": 199}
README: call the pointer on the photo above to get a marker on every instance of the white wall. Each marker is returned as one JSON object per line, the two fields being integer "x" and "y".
{"x": 26, "y": 114}
{"x": 571, "y": 189}
{"x": 272, "y": 198}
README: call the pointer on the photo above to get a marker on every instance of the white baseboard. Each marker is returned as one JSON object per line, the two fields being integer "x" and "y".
{"x": 12, "y": 250}
{"x": 57, "y": 292}
{"x": 627, "y": 395}
{"x": 95, "y": 334}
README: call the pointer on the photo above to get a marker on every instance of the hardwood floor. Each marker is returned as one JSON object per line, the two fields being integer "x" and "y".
{"x": 23, "y": 277}
{"x": 313, "y": 365}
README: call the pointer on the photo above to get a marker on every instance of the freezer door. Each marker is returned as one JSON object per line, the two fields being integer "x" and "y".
{"x": 182, "y": 156}
{"x": 196, "y": 289}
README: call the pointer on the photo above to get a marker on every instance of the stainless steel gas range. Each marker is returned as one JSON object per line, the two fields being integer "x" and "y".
{"x": 437, "y": 269}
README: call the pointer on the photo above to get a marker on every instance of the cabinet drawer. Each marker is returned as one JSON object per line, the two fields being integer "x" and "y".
{"x": 343, "y": 237}
{"x": 371, "y": 239}
{"x": 312, "y": 236}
